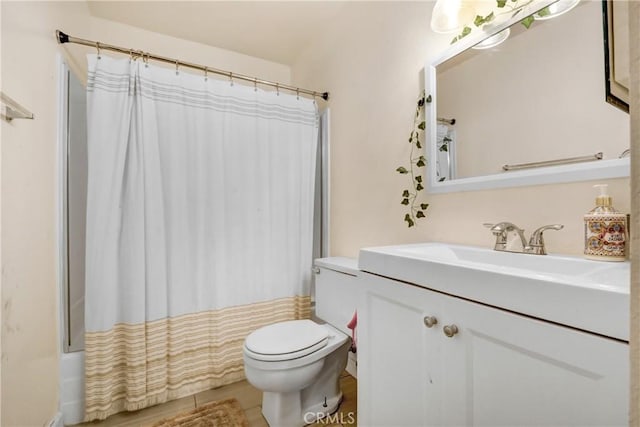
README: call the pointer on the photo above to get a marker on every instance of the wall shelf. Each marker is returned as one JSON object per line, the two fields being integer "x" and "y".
{"x": 13, "y": 110}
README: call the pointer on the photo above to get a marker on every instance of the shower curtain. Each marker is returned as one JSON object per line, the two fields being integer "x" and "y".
{"x": 199, "y": 228}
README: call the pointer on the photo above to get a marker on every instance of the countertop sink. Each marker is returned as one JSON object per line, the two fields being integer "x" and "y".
{"x": 579, "y": 293}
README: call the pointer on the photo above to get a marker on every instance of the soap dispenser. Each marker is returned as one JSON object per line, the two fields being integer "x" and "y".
{"x": 605, "y": 230}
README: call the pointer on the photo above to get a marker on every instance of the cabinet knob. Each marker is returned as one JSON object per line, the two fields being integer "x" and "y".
{"x": 450, "y": 330}
{"x": 429, "y": 321}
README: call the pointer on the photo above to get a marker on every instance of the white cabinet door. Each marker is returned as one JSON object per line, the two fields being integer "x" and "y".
{"x": 499, "y": 369}
{"x": 395, "y": 353}
{"x": 504, "y": 369}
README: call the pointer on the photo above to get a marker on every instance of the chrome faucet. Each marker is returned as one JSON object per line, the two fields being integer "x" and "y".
{"x": 501, "y": 231}
{"x": 536, "y": 243}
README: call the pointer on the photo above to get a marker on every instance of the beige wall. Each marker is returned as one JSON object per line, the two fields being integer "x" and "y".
{"x": 371, "y": 61}
{"x": 29, "y": 296}
{"x": 29, "y": 290}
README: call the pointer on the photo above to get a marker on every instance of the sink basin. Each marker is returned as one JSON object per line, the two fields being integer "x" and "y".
{"x": 579, "y": 293}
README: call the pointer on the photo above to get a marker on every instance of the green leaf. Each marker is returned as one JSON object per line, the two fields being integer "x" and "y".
{"x": 420, "y": 163}
{"x": 478, "y": 21}
{"x": 442, "y": 179}
{"x": 419, "y": 187}
{"x": 419, "y": 214}
{"x": 446, "y": 139}
{"x": 424, "y": 206}
{"x": 404, "y": 202}
{"x": 444, "y": 148}
{"x": 465, "y": 31}
{"x": 405, "y": 193}
{"x": 544, "y": 12}
{"x": 527, "y": 21}
{"x": 419, "y": 178}
{"x": 422, "y": 125}
{"x": 501, "y": 3}
{"x": 410, "y": 222}
{"x": 455, "y": 39}
{"x": 418, "y": 145}
{"x": 402, "y": 170}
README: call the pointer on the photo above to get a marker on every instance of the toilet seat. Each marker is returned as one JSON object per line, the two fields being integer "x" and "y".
{"x": 286, "y": 340}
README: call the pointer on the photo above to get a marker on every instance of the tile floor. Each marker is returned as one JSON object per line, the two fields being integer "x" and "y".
{"x": 249, "y": 397}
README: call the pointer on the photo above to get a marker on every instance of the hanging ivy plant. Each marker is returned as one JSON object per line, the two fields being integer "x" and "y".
{"x": 413, "y": 171}
{"x": 502, "y": 7}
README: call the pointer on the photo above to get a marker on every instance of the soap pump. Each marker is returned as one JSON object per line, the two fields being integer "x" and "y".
{"x": 605, "y": 230}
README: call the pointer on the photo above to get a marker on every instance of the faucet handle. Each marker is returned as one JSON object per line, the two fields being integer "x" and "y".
{"x": 536, "y": 242}
{"x": 503, "y": 227}
{"x": 501, "y": 231}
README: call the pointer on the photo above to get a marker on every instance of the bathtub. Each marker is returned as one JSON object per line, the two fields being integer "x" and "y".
{"x": 72, "y": 387}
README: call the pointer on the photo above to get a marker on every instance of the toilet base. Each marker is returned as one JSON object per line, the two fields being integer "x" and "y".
{"x": 320, "y": 411}
{"x": 284, "y": 409}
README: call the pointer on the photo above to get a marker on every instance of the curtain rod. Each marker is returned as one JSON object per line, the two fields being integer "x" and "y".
{"x": 65, "y": 38}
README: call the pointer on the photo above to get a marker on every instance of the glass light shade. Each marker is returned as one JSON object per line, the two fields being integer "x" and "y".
{"x": 450, "y": 16}
{"x": 558, "y": 8}
{"x": 494, "y": 40}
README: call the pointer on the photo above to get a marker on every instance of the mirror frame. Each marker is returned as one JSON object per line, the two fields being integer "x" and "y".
{"x": 601, "y": 169}
{"x": 609, "y": 79}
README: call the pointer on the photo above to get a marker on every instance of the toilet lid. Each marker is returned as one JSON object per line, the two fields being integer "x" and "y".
{"x": 286, "y": 340}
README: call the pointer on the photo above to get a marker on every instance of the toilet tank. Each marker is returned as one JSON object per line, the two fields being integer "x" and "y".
{"x": 336, "y": 285}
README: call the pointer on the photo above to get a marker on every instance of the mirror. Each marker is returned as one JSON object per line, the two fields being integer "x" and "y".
{"x": 538, "y": 98}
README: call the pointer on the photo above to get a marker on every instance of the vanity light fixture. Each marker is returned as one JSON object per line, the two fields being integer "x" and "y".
{"x": 556, "y": 9}
{"x": 449, "y": 16}
{"x": 494, "y": 40}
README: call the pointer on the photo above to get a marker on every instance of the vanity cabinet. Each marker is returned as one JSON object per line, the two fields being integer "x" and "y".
{"x": 428, "y": 358}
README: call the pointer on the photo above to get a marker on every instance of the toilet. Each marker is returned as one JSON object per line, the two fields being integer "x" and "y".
{"x": 297, "y": 364}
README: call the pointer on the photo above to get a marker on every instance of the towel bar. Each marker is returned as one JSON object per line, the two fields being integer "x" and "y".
{"x": 596, "y": 156}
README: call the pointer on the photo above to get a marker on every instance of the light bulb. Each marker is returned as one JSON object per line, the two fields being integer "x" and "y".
{"x": 494, "y": 40}
{"x": 556, "y": 9}
{"x": 450, "y": 16}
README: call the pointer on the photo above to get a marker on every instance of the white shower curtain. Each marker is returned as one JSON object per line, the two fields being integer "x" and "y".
{"x": 199, "y": 228}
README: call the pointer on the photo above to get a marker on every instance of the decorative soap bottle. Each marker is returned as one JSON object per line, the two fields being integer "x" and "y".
{"x": 605, "y": 230}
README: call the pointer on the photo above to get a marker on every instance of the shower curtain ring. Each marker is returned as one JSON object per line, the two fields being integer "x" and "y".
{"x": 277, "y": 89}
{"x": 205, "y": 74}
{"x": 255, "y": 84}
{"x": 98, "y": 49}
{"x": 131, "y": 58}
{"x": 230, "y": 78}
{"x": 177, "y": 72}
{"x": 298, "y": 93}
